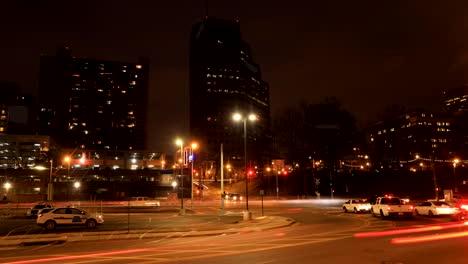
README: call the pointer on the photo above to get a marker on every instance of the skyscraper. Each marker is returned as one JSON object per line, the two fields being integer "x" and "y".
{"x": 92, "y": 103}
{"x": 224, "y": 79}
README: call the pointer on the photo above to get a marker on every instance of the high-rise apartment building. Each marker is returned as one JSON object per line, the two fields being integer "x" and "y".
{"x": 93, "y": 104}
{"x": 225, "y": 79}
{"x": 400, "y": 139}
{"x": 456, "y": 100}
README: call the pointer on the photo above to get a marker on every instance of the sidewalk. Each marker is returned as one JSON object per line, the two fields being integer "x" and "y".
{"x": 181, "y": 226}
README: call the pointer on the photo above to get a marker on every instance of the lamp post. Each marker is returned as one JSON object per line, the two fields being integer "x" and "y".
{"x": 77, "y": 186}
{"x": 67, "y": 160}
{"x": 455, "y": 162}
{"x": 252, "y": 117}
{"x": 50, "y": 187}
{"x": 192, "y": 159}
{"x": 182, "y": 209}
{"x": 7, "y": 186}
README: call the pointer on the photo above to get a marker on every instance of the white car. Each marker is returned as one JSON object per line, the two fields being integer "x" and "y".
{"x": 432, "y": 208}
{"x": 356, "y": 206}
{"x": 68, "y": 216}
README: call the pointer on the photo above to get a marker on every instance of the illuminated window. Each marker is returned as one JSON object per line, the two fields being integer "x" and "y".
{"x": 447, "y": 124}
{"x": 83, "y": 124}
{"x": 392, "y": 129}
{"x": 133, "y": 83}
{"x": 139, "y": 67}
{"x": 208, "y": 75}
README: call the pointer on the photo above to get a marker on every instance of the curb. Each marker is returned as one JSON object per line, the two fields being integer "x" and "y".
{"x": 254, "y": 225}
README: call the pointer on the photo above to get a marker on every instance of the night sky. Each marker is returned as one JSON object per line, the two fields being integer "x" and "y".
{"x": 369, "y": 54}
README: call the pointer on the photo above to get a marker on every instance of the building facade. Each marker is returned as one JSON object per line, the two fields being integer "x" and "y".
{"x": 93, "y": 104}
{"x": 456, "y": 100}
{"x": 411, "y": 136}
{"x": 224, "y": 79}
{"x": 17, "y": 110}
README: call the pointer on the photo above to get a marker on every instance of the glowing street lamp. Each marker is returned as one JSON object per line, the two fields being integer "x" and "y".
{"x": 455, "y": 162}
{"x": 180, "y": 143}
{"x": 67, "y": 160}
{"x": 50, "y": 187}
{"x": 239, "y": 117}
{"x": 193, "y": 146}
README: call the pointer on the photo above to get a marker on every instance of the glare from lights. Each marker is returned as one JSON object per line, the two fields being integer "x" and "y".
{"x": 237, "y": 117}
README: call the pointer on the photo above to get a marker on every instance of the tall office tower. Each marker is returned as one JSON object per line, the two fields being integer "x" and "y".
{"x": 224, "y": 79}
{"x": 92, "y": 103}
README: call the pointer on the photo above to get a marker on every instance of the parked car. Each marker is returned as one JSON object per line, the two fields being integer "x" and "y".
{"x": 389, "y": 206}
{"x": 433, "y": 208}
{"x": 32, "y": 212}
{"x": 45, "y": 210}
{"x": 68, "y": 216}
{"x": 356, "y": 206}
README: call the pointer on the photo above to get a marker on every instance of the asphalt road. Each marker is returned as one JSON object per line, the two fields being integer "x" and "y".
{"x": 322, "y": 234}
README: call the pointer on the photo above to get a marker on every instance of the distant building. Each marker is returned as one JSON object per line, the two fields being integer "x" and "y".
{"x": 456, "y": 103}
{"x": 224, "y": 79}
{"x": 403, "y": 138}
{"x": 456, "y": 100}
{"x": 22, "y": 151}
{"x": 93, "y": 104}
{"x": 17, "y": 111}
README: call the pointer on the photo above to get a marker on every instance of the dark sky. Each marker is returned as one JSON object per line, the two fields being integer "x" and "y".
{"x": 367, "y": 53}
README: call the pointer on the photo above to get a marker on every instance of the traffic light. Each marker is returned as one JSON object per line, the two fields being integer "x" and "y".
{"x": 250, "y": 172}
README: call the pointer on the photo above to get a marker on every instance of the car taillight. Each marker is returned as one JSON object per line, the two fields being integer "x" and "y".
{"x": 411, "y": 207}
{"x": 39, "y": 215}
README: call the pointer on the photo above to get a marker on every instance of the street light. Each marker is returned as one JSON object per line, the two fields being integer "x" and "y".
{"x": 67, "y": 160}
{"x": 192, "y": 159}
{"x": 77, "y": 186}
{"x": 180, "y": 143}
{"x": 7, "y": 186}
{"x": 252, "y": 117}
{"x": 455, "y": 162}
{"x": 50, "y": 191}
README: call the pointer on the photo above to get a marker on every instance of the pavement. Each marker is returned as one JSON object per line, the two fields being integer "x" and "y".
{"x": 189, "y": 225}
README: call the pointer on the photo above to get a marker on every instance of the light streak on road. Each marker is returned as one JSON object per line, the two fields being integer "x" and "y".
{"x": 428, "y": 238}
{"x": 63, "y": 258}
{"x": 409, "y": 230}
